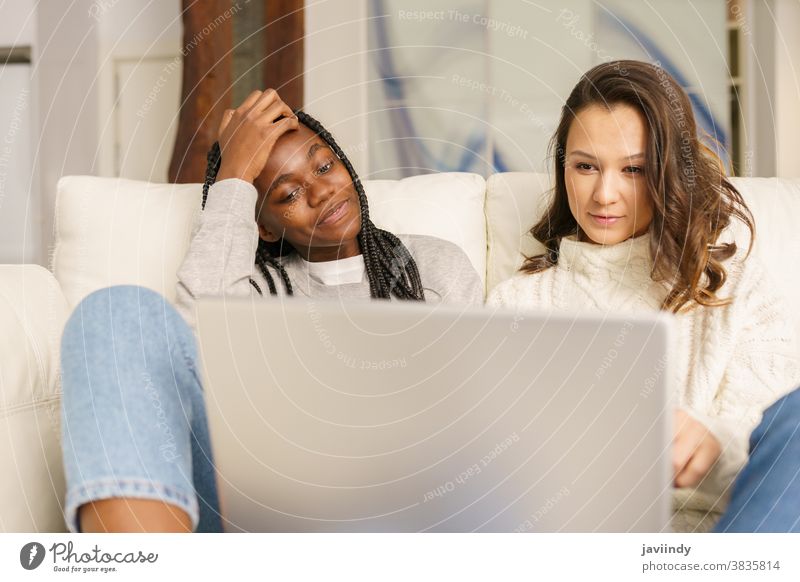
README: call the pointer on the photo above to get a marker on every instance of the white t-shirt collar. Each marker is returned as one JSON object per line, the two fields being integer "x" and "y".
{"x": 339, "y": 272}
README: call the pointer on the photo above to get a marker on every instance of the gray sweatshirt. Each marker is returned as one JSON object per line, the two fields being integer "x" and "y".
{"x": 221, "y": 259}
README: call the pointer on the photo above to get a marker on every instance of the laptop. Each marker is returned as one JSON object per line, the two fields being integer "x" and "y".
{"x": 371, "y": 416}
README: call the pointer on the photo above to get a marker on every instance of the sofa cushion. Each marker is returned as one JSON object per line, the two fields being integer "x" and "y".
{"x": 447, "y": 205}
{"x": 32, "y": 316}
{"x": 775, "y": 204}
{"x": 514, "y": 203}
{"x": 114, "y": 231}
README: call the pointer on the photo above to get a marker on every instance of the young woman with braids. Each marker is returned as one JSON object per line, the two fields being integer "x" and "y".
{"x": 312, "y": 228}
{"x": 639, "y": 222}
{"x": 284, "y": 214}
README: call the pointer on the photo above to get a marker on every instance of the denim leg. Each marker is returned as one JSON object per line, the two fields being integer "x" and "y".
{"x": 134, "y": 419}
{"x": 766, "y": 494}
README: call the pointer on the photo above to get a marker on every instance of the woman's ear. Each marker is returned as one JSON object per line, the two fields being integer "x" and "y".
{"x": 266, "y": 235}
{"x": 263, "y": 232}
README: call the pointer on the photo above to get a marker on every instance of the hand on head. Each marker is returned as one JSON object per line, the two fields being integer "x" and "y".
{"x": 248, "y": 133}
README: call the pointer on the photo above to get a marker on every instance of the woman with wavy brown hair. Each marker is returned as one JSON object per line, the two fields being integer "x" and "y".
{"x": 642, "y": 218}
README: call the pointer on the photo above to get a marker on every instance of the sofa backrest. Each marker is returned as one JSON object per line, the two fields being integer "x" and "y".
{"x": 514, "y": 203}
{"x": 112, "y": 231}
{"x": 516, "y": 200}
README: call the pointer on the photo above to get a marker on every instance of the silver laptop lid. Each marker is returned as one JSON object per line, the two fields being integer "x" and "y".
{"x": 370, "y": 416}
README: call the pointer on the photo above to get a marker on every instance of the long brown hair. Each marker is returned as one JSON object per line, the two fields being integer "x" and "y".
{"x": 693, "y": 201}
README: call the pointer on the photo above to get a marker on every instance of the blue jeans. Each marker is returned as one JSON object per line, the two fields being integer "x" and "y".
{"x": 134, "y": 420}
{"x": 766, "y": 494}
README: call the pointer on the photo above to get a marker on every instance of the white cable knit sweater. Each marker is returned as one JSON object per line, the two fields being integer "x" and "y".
{"x": 731, "y": 362}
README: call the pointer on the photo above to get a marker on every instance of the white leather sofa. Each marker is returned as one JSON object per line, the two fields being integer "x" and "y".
{"x": 113, "y": 231}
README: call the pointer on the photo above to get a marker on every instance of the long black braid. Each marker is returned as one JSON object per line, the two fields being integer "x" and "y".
{"x": 391, "y": 270}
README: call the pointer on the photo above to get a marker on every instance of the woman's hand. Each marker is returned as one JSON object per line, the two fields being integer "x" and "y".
{"x": 694, "y": 450}
{"x": 248, "y": 133}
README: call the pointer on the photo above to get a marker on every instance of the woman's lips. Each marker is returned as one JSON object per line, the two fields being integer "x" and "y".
{"x": 602, "y": 220}
{"x": 335, "y": 214}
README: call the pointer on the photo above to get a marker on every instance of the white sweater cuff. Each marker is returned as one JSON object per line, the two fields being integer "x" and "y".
{"x": 733, "y": 436}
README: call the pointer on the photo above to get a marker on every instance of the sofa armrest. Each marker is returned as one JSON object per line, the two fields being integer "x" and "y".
{"x": 33, "y": 312}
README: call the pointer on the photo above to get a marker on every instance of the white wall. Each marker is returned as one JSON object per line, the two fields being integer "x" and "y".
{"x": 20, "y": 200}
{"x": 20, "y": 211}
{"x": 532, "y": 74}
{"x": 787, "y": 90}
{"x": 96, "y": 64}
{"x": 758, "y": 106}
{"x": 516, "y": 70}
{"x": 771, "y": 100}
{"x": 336, "y": 53}
{"x": 139, "y": 84}
{"x": 19, "y": 23}
{"x": 335, "y": 80}
{"x": 64, "y": 70}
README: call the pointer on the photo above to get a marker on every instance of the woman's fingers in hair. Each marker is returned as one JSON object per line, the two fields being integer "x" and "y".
{"x": 249, "y": 101}
{"x": 271, "y": 131}
{"x": 259, "y": 106}
{"x": 287, "y": 124}
{"x": 271, "y": 104}
{"x": 276, "y": 112}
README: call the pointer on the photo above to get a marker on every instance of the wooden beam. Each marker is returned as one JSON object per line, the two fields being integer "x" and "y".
{"x": 206, "y": 85}
{"x": 283, "y": 45}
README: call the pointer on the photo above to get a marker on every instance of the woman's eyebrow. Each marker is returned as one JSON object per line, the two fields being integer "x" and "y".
{"x": 581, "y": 153}
{"x": 277, "y": 182}
{"x": 591, "y": 157}
{"x": 313, "y": 149}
